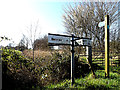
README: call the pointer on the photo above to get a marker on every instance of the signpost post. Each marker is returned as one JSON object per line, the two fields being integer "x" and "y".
{"x": 57, "y": 39}
{"x": 106, "y": 24}
{"x": 72, "y": 60}
{"x": 89, "y": 58}
{"x": 106, "y": 46}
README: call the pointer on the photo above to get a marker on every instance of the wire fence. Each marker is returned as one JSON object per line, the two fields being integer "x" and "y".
{"x": 98, "y": 57}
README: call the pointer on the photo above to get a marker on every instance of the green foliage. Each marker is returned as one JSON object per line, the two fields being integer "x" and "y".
{"x": 89, "y": 83}
{"x": 14, "y": 58}
{"x": 17, "y": 70}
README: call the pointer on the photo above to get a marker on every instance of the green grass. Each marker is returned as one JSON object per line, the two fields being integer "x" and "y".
{"x": 90, "y": 83}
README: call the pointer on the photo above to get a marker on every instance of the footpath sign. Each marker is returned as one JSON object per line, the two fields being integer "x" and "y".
{"x": 84, "y": 42}
{"x": 101, "y": 24}
{"x": 57, "y": 39}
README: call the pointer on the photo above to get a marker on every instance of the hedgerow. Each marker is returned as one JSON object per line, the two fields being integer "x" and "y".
{"x": 20, "y": 71}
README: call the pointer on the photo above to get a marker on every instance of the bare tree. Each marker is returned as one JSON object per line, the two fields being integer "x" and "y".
{"x": 33, "y": 33}
{"x": 82, "y": 19}
{"x": 42, "y": 43}
{"x": 23, "y": 44}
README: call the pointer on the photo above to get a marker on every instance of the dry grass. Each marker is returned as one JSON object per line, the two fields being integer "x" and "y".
{"x": 37, "y": 53}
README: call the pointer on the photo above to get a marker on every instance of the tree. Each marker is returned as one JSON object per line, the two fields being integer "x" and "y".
{"x": 82, "y": 19}
{"x": 33, "y": 33}
{"x": 23, "y": 44}
{"x": 41, "y": 43}
{"x": 3, "y": 38}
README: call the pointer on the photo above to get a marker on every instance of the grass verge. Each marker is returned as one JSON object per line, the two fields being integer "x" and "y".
{"x": 88, "y": 82}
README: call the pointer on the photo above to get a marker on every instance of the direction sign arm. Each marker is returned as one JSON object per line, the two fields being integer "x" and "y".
{"x": 101, "y": 24}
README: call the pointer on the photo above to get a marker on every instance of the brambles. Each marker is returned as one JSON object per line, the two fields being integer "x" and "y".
{"x": 17, "y": 70}
{"x": 21, "y": 72}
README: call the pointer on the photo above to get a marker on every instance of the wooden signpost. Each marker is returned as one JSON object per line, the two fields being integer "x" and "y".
{"x": 106, "y": 46}
{"x": 57, "y": 39}
{"x": 106, "y": 24}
